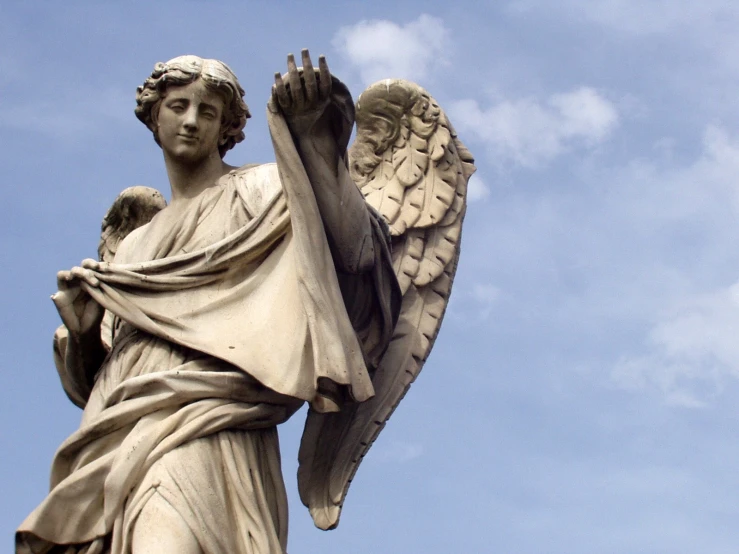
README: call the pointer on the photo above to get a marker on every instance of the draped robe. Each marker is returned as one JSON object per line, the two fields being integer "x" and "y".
{"x": 226, "y": 318}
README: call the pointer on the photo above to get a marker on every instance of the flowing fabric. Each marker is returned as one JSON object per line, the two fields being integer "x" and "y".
{"x": 227, "y": 316}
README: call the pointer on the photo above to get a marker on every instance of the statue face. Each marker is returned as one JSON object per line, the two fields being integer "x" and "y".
{"x": 189, "y": 122}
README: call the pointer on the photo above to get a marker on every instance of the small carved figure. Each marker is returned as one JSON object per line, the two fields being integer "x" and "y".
{"x": 321, "y": 278}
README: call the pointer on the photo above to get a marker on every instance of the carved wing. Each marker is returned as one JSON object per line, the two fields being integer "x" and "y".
{"x": 412, "y": 168}
{"x": 134, "y": 207}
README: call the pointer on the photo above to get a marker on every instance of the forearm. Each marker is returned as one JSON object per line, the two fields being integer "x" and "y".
{"x": 83, "y": 357}
{"x": 344, "y": 212}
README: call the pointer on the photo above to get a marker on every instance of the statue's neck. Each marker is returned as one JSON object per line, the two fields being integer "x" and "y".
{"x": 187, "y": 181}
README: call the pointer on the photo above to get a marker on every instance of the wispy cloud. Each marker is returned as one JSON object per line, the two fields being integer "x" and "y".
{"x": 397, "y": 452}
{"x": 530, "y": 133}
{"x": 691, "y": 351}
{"x": 662, "y": 257}
{"x": 473, "y": 301}
{"x": 382, "y": 49}
{"x": 636, "y": 16}
{"x": 477, "y": 190}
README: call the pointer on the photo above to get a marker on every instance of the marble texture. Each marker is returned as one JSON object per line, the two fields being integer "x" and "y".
{"x": 320, "y": 278}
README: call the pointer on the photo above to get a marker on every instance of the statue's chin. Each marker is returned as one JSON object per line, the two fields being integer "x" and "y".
{"x": 190, "y": 154}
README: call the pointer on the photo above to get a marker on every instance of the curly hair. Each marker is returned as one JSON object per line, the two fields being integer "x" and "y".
{"x": 183, "y": 70}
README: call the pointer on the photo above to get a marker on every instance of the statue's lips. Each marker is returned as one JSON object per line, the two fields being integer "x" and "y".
{"x": 188, "y": 138}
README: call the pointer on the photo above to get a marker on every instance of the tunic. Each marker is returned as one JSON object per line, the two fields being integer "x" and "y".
{"x": 226, "y": 319}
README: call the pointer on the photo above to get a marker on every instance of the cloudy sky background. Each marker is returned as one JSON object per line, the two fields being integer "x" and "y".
{"x": 582, "y": 396}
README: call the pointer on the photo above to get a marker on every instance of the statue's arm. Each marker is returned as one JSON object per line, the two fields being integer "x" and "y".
{"x": 83, "y": 351}
{"x": 312, "y": 121}
{"x": 345, "y": 215}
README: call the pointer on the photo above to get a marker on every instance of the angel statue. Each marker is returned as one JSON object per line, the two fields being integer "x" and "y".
{"x": 320, "y": 278}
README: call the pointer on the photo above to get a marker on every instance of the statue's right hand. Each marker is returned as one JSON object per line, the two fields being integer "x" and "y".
{"x": 79, "y": 312}
{"x": 302, "y": 94}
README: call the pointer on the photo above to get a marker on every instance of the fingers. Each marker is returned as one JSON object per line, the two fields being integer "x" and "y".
{"x": 301, "y": 89}
{"x": 85, "y": 275}
{"x": 324, "y": 85}
{"x": 89, "y": 263}
{"x": 63, "y": 279}
{"x": 280, "y": 91}
{"x": 68, "y": 279}
{"x": 61, "y": 300}
{"x": 64, "y": 301}
{"x": 293, "y": 77}
{"x": 309, "y": 76}
{"x": 78, "y": 310}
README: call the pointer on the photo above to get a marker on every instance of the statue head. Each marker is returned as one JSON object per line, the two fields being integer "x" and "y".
{"x": 183, "y": 70}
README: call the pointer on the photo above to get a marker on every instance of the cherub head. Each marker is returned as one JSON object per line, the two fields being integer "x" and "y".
{"x": 183, "y": 70}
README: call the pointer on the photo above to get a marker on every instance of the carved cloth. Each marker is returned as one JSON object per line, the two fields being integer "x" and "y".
{"x": 228, "y": 315}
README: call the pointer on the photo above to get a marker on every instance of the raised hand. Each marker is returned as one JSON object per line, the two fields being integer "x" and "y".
{"x": 79, "y": 312}
{"x": 302, "y": 93}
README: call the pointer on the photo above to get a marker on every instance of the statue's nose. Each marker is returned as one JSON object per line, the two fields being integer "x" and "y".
{"x": 191, "y": 119}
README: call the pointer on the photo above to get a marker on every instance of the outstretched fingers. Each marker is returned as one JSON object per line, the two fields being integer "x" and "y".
{"x": 280, "y": 91}
{"x": 324, "y": 77}
{"x": 309, "y": 77}
{"x": 293, "y": 79}
{"x": 303, "y": 92}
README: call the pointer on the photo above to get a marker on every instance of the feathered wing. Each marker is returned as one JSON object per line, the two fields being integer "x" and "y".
{"x": 134, "y": 207}
{"x": 412, "y": 168}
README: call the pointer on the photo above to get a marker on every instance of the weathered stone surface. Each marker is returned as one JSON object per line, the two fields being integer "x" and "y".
{"x": 209, "y": 321}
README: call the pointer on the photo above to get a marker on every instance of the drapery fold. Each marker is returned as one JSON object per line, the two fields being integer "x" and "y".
{"x": 227, "y": 317}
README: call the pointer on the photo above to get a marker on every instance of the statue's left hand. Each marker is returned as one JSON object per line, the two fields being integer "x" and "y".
{"x": 302, "y": 94}
{"x": 80, "y": 313}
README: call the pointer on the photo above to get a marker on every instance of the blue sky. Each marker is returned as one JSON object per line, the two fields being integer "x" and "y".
{"x": 582, "y": 394}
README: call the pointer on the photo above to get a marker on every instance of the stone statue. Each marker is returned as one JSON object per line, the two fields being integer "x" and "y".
{"x": 320, "y": 278}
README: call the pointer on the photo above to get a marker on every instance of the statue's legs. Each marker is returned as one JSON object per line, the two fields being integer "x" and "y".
{"x": 159, "y": 529}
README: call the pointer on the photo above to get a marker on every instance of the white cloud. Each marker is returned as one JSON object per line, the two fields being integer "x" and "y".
{"x": 530, "y": 133}
{"x": 472, "y": 301}
{"x": 691, "y": 351}
{"x": 382, "y": 49}
{"x": 637, "y": 16}
{"x": 629, "y": 265}
{"x": 704, "y": 192}
{"x": 397, "y": 452}
{"x": 706, "y": 29}
{"x": 476, "y": 189}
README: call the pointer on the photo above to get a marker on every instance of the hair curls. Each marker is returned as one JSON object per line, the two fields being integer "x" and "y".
{"x": 183, "y": 70}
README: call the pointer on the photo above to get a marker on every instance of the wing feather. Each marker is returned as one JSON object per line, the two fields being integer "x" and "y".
{"x": 411, "y": 210}
{"x": 134, "y": 207}
{"x": 407, "y": 256}
{"x": 440, "y": 187}
{"x": 411, "y": 167}
{"x": 440, "y": 247}
{"x": 387, "y": 200}
{"x": 411, "y": 160}
{"x": 438, "y": 143}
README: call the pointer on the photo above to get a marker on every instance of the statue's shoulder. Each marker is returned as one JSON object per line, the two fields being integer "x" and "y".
{"x": 256, "y": 184}
{"x": 265, "y": 174}
{"x": 129, "y": 243}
